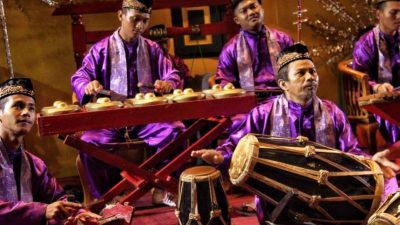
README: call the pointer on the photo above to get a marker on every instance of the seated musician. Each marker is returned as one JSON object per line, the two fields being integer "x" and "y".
{"x": 119, "y": 63}
{"x": 377, "y": 53}
{"x": 297, "y": 112}
{"x": 28, "y": 193}
{"x": 248, "y": 60}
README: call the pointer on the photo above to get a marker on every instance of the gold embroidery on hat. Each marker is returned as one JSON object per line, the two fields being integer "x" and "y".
{"x": 133, "y": 4}
{"x": 14, "y": 89}
{"x": 290, "y": 57}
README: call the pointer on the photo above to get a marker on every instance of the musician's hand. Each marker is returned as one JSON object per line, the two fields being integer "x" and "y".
{"x": 210, "y": 156}
{"x": 388, "y": 167}
{"x": 383, "y": 88}
{"x": 93, "y": 88}
{"x": 162, "y": 87}
{"x": 61, "y": 210}
{"x": 86, "y": 218}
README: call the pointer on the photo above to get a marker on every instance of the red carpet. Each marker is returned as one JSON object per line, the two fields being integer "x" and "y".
{"x": 147, "y": 214}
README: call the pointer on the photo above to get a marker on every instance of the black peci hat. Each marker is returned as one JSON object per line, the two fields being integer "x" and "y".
{"x": 143, "y": 6}
{"x": 17, "y": 86}
{"x": 235, "y": 3}
{"x": 292, "y": 53}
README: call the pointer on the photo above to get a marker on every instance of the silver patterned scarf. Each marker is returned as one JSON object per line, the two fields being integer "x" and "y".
{"x": 245, "y": 61}
{"x": 323, "y": 123}
{"x": 384, "y": 64}
{"x": 119, "y": 73}
{"x": 8, "y": 185}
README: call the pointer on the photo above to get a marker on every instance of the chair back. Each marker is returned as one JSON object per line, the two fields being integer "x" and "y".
{"x": 355, "y": 85}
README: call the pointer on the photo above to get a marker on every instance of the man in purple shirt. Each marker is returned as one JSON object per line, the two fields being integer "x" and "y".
{"x": 248, "y": 60}
{"x": 297, "y": 112}
{"x": 119, "y": 63}
{"x": 28, "y": 193}
{"x": 377, "y": 53}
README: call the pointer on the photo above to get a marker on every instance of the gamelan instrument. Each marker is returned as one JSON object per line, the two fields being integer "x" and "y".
{"x": 202, "y": 199}
{"x": 385, "y": 105}
{"x": 388, "y": 213}
{"x": 228, "y": 90}
{"x": 303, "y": 181}
{"x": 59, "y": 107}
{"x": 143, "y": 109}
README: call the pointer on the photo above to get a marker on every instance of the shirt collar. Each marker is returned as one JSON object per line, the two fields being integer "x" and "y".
{"x": 261, "y": 33}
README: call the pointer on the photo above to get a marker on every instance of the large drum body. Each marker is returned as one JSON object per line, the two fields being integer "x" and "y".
{"x": 388, "y": 213}
{"x": 303, "y": 181}
{"x": 202, "y": 199}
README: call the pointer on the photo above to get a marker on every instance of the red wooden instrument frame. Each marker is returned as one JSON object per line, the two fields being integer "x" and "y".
{"x": 81, "y": 121}
{"x": 143, "y": 177}
{"x": 387, "y": 110}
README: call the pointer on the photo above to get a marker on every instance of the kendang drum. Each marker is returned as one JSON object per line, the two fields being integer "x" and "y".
{"x": 388, "y": 213}
{"x": 202, "y": 199}
{"x": 302, "y": 181}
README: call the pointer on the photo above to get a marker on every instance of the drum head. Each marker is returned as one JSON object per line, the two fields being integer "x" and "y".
{"x": 246, "y": 149}
{"x": 199, "y": 174}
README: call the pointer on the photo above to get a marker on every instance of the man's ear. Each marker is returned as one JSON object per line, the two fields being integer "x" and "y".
{"x": 236, "y": 20}
{"x": 378, "y": 14}
{"x": 282, "y": 84}
{"x": 119, "y": 14}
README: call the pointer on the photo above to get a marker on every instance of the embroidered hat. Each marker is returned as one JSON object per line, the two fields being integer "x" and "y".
{"x": 143, "y": 6}
{"x": 292, "y": 53}
{"x": 17, "y": 86}
{"x": 378, "y": 2}
{"x": 235, "y": 3}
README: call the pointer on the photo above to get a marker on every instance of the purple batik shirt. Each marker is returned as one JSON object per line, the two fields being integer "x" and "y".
{"x": 366, "y": 56}
{"x": 96, "y": 66}
{"x": 301, "y": 123}
{"x": 45, "y": 190}
{"x": 264, "y": 77}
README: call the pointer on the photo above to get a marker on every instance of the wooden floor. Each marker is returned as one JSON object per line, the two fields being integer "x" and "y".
{"x": 146, "y": 213}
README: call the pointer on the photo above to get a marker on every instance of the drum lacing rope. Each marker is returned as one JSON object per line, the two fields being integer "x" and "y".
{"x": 302, "y": 139}
{"x": 178, "y": 207}
{"x": 301, "y": 218}
{"x": 215, "y": 209}
{"x": 310, "y": 151}
{"x": 214, "y": 205}
{"x": 323, "y": 176}
{"x": 314, "y": 201}
{"x": 194, "y": 208}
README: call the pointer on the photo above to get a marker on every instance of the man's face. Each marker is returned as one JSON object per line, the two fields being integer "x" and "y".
{"x": 133, "y": 23}
{"x": 249, "y": 14}
{"x": 302, "y": 82}
{"x": 389, "y": 17}
{"x": 18, "y": 115}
